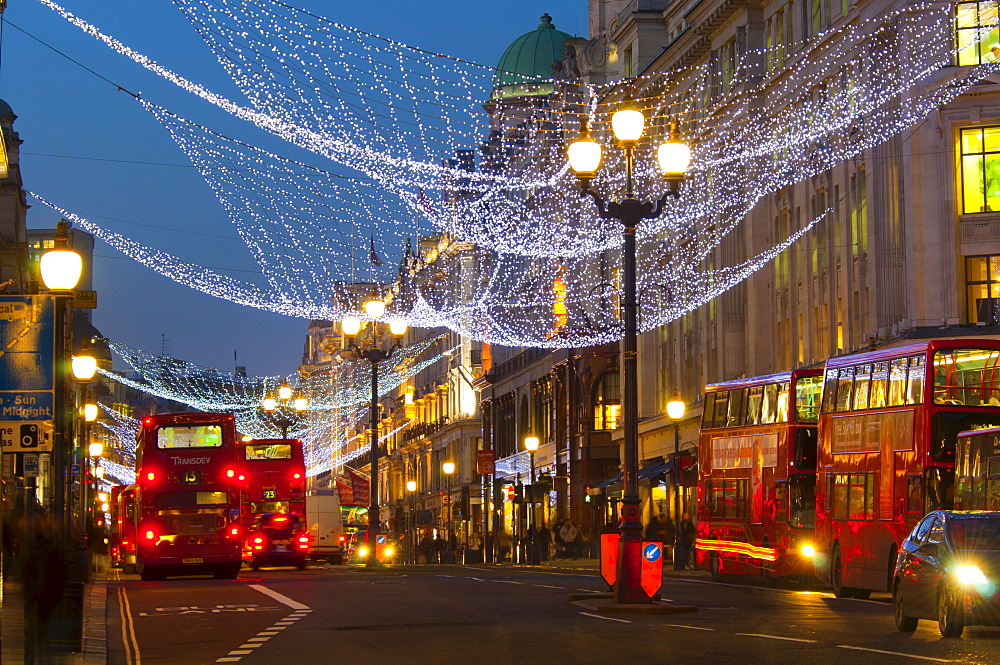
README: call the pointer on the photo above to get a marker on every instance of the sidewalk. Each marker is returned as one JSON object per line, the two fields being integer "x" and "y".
{"x": 595, "y": 566}
{"x": 12, "y": 626}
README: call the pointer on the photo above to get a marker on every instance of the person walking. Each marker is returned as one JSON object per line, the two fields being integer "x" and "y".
{"x": 570, "y": 536}
{"x": 543, "y": 538}
{"x": 688, "y": 533}
{"x": 558, "y": 539}
{"x": 503, "y": 543}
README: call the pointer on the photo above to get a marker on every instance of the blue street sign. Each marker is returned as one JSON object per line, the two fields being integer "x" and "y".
{"x": 651, "y": 552}
{"x": 27, "y": 349}
{"x": 74, "y": 469}
{"x": 380, "y": 539}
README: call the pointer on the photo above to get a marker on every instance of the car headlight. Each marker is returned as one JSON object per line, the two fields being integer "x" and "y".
{"x": 362, "y": 551}
{"x": 388, "y": 551}
{"x": 970, "y": 575}
{"x": 808, "y": 551}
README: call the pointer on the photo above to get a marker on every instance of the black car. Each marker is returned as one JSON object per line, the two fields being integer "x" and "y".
{"x": 948, "y": 570}
{"x": 278, "y": 539}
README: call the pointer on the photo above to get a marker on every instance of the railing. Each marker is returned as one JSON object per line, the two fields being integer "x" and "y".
{"x": 520, "y": 361}
{"x": 421, "y": 430}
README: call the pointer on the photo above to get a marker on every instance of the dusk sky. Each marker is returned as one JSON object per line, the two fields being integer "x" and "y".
{"x": 94, "y": 151}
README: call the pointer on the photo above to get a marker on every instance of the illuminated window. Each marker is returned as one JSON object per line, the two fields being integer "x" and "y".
{"x": 976, "y": 31}
{"x": 982, "y": 284}
{"x": 607, "y": 402}
{"x": 980, "y": 169}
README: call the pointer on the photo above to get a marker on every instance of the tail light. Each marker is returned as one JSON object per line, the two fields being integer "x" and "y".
{"x": 296, "y": 476}
{"x": 230, "y": 473}
{"x": 150, "y": 476}
{"x": 343, "y": 538}
{"x": 234, "y": 530}
{"x": 149, "y": 535}
{"x": 280, "y": 519}
{"x": 257, "y": 543}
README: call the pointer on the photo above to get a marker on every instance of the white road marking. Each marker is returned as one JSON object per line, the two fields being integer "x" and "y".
{"x": 507, "y": 582}
{"x": 281, "y": 598}
{"x": 228, "y": 660}
{"x": 546, "y": 586}
{"x": 680, "y": 625}
{"x": 896, "y": 653}
{"x": 777, "y": 637}
{"x": 268, "y": 632}
{"x": 240, "y": 653}
{"x": 599, "y": 616}
{"x": 588, "y": 590}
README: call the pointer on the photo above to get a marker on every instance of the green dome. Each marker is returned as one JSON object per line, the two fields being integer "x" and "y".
{"x": 526, "y": 66}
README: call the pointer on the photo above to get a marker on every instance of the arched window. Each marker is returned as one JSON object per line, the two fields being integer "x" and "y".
{"x": 607, "y": 402}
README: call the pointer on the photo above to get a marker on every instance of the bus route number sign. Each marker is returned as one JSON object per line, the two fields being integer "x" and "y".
{"x": 270, "y": 494}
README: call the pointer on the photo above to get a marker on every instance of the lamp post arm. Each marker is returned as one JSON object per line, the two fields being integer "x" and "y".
{"x": 602, "y": 206}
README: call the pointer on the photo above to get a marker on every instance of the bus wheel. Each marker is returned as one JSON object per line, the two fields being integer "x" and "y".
{"x": 254, "y": 564}
{"x": 836, "y": 576}
{"x": 713, "y": 567}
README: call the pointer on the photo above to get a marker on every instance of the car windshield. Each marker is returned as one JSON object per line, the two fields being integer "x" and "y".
{"x": 976, "y": 533}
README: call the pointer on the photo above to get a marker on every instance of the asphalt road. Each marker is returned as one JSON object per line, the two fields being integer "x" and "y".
{"x": 439, "y": 615}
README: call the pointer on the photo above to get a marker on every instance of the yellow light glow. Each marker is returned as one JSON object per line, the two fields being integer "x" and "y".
{"x": 270, "y": 404}
{"x": 284, "y": 392}
{"x": 375, "y": 308}
{"x": 363, "y": 551}
{"x": 584, "y": 155}
{"x": 531, "y": 443}
{"x": 448, "y": 468}
{"x": 388, "y": 551}
{"x": 84, "y": 367}
{"x": 61, "y": 269}
{"x": 627, "y": 124}
{"x": 105, "y": 507}
{"x": 90, "y": 412}
{"x": 736, "y": 547}
{"x": 351, "y": 325}
{"x": 397, "y": 327}
{"x": 411, "y": 486}
{"x": 809, "y": 551}
{"x": 96, "y": 449}
{"x": 675, "y": 408}
{"x": 102, "y": 496}
{"x": 300, "y": 403}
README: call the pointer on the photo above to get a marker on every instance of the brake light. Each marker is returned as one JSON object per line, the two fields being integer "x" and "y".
{"x": 343, "y": 538}
{"x": 280, "y": 519}
{"x": 230, "y": 473}
{"x": 296, "y": 476}
{"x": 303, "y": 539}
{"x": 234, "y": 530}
{"x": 241, "y": 477}
{"x": 150, "y": 534}
{"x": 258, "y": 540}
{"x": 150, "y": 476}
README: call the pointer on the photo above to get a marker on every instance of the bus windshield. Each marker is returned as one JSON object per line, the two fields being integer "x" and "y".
{"x": 189, "y": 436}
{"x": 802, "y": 501}
{"x": 808, "y": 390}
{"x": 266, "y": 451}
{"x": 967, "y": 377}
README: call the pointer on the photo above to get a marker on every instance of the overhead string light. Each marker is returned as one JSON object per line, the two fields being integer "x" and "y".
{"x": 523, "y": 259}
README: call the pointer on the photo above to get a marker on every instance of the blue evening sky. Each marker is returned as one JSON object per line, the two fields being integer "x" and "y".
{"x": 66, "y": 113}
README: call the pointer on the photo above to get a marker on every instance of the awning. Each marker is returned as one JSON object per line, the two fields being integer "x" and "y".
{"x": 613, "y": 480}
{"x": 655, "y": 469}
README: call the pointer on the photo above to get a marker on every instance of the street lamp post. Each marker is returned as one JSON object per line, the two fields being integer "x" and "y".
{"x": 675, "y": 409}
{"x": 449, "y": 468}
{"x": 534, "y": 555}
{"x": 585, "y": 159}
{"x": 411, "y": 487}
{"x": 60, "y": 269}
{"x": 374, "y": 354}
{"x": 282, "y": 416}
{"x": 84, "y": 367}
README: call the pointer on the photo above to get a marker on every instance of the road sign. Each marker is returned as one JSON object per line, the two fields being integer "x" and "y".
{"x": 609, "y": 557}
{"x": 485, "y": 462}
{"x": 30, "y": 466}
{"x": 27, "y": 346}
{"x": 381, "y": 539}
{"x": 74, "y": 469}
{"x": 84, "y": 299}
{"x": 651, "y": 573}
{"x": 19, "y": 437}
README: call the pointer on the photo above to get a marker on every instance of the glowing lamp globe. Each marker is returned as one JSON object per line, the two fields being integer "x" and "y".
{"x": 531, "y": 443}
{"x": 584, "y": 156}
{"x": 284, "y": 392}
{"x": 84, "y": 367}
{"x": 674, "y": 158}
{"x": 96, "y": 449}
{"x": 397, "y": 327}
{"x": 627, "y": 124}
{"x": 270, "y": 404}
{"x": 675, "y": 408}
{"x": 61, "y": 269}
{"x": 300, "y": 403}
{"x": 375, "y": 308}
{"x": 448, "y": 468}
{"x": 411, "y": 486}
{"x": 351, "y": 326}
{"x": 90, "y": 412}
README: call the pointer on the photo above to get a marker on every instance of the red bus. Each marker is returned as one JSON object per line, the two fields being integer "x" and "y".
{"x": 275, "y": 478}
{"x": 188, "y": 496}
{"x": 888, "y": 428}
{"x": 756, "y": 475}
{"x": 123, "y": 527}
{"x": 977, "y": 470}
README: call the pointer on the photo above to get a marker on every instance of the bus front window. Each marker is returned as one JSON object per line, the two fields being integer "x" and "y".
{"x": 969, "y": 377}
{"x": 808, "y": 391}
{"x": 802, "y": 501}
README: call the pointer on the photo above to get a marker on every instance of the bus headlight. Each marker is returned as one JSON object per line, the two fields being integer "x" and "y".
{"x": 362, "y": 551}
{"x": 970, "y": 575}
{"x": 808, "y": 551}
{"x": 388, "y": 551}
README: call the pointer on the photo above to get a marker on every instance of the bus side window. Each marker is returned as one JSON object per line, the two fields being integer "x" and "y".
{"x": 769, "y": 408}
{"x": 829, "y": 390}
{"x": 992, "y": 484}
{"x": 897, "y": 382}
{"x": 862, "y": 382}
{"x": 845, "y": 383}
{"x": 708, "y": 415}
{"x": 783, "y": 402}
{"x": 721, "y": 408}
{"x": 780, "y": 501}
{"x": 755, "y": 395}
{"x": 879, "y": 388}
{"x": 737, "y": 398}
{"x": 915, "y": 381}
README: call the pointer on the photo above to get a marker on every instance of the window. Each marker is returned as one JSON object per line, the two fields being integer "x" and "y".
{"x": 852, "y": 496}
{"x": 845, "y": 383}
{"x": 808, "y": 390}
{"x": 736, "y": 399}
{"x": 782, "y": 402}
{"x": 830, "y": 390}
{"x": 755, "y": 395}
{"x": 802, "y": 501}
{"x": 708, "y": 414}
{"x": 189, "y": 436}
{"x": 880, "y": 386}
{"x": 969, "y": 377}
{"x": 980, "y": 169}
{"x": 266, "y": 451}
{"x": 975, "y": 31}
{"x": 721, "y": 408}
{"x": 915, "y": 381}
{"x": 862, "y": 383}
{"x": 769, "y": 408}
{"x": 607, "y": 402}
{"x": 982, "y": 285}
{"x": 729, "y": 497}
{"x": 897, "y": 381}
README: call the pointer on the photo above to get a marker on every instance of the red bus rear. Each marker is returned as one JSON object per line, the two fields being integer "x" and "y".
{"x": 757, "y": 479}
{"x": 188, "y": 496}
{"x": 123, "y": 527}
{"x": 275, "y": 478}
{"x": 888, "y": 431}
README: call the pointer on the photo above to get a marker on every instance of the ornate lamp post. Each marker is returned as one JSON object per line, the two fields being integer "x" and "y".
{"x": 371, "y": 351}
{"x": 534, "y": 555}
{"x": 449, "y": 468}
{"x": 84, "y": 367}
{"x": 61, "y": 268}
{"x": 282, "y": 409}
{"x": 411, "y": 488}
{"x": 585, "y": 159}
{"x": 675, "y": 409}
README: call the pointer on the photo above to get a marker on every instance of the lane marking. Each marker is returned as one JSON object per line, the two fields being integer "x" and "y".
{"x": 128, "y": 638}
{"x": 240, "y": 653}
{"x": 897, "y": 653}
{"x": 588, "y": 590}
{"x": 281, "y": 598}
{"x": 547, "y": 586}
{"x": 507, "y": 582}
{"x": 258, "y": 639}
{"x": 268, "y": 632}
{"x": 599, "y": 616}
{"x": 680, "y": 625}
{"x": 776, "y": 637}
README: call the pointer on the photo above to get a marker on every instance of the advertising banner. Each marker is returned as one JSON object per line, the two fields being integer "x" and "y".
{"x": 361, "y": 486}
{"x": 345, "y": 493}
{"x": 745, "y": 452}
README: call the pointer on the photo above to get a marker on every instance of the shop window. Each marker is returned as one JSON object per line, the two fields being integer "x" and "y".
{"x": 982, "y": 284}
{"x": 607, "y": 402}
{"x": 980, "y": 169}
{"x": 976, "y": 32}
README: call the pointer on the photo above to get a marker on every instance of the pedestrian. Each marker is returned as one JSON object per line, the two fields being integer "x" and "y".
{"x": 440, "y": 545}
{"x": 688, "y": 532}
{"x": 503, "y": 542}
{"x": 558, "y": 539}
{"x": 542, "y": 540}
{"x": 656, "y": 530}
{"x": 993, "y": 55}
{"x": 570, "y": 536}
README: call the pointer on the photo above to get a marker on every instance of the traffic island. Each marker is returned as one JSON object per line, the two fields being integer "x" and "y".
{"x": 600, "y": 605}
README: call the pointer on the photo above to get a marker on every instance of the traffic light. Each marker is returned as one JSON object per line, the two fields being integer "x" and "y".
{"x": 586, "y": 494}
{"x": 464, "y": 501}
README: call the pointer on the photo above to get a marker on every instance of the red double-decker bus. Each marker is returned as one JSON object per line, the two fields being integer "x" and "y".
{"x": 123, "y": 540}
{"x": 977, "y": 470}
{"x": 188, "y": 496}
{"x": 888, "y": 428}
{"x": 275, "y": 481}
{"x": 757, "y": 479}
